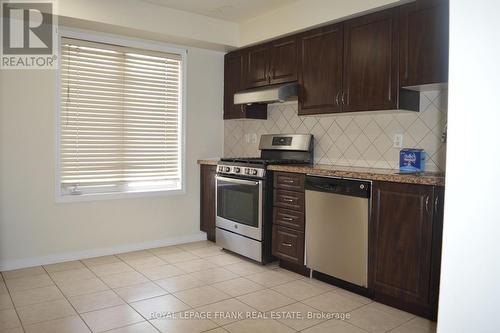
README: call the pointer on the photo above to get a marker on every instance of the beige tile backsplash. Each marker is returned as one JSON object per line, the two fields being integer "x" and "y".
{"x": 352, "y": 139}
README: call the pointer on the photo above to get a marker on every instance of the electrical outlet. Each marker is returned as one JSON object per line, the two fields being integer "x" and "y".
{"x": 398, "y": 141}
{"x": 253, "y": 138}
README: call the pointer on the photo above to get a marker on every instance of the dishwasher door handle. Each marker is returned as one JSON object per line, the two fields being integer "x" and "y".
{"x": 325, "y": 187}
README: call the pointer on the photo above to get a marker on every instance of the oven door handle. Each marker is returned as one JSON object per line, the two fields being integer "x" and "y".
{"x": 238, "y": 181}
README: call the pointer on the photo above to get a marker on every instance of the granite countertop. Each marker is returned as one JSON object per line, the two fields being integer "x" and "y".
{"x": 389, "y": 175}
{"x": 209, "y": 161}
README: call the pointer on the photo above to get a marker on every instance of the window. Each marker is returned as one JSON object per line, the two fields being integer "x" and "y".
{"x": 119, "y": 120}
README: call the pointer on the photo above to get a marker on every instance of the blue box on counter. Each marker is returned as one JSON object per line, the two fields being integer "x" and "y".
{"x": 412, "y": 160}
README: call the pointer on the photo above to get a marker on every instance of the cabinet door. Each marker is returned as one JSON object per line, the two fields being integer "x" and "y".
{"x": 320, "y": 70}
{"x": 424, "y": 43}
{"x": 233, "y": 70}
{"x": 371, "y": 62}
{"x": 289, "y": 199}
{"x": 437, "y": 240}
{"x": 207, "y": 200}
{"x": 288, "y": 244}
{"x": 257, "y": 66}
{"x": 233, "y": 82}
{"x": 283, "y": 65}
{"x": 400, "y": 245}
{"x": 289, "y": 181}
{"x": 289, "y": 218}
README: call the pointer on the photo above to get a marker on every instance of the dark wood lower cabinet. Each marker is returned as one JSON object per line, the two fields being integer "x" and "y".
{"x": 289, "y": 199}
{"x": 289, "y": 222}
{"x": 207, "y": 200}
{"x": 405, "y": 246}
{"x": 288, "y": 244}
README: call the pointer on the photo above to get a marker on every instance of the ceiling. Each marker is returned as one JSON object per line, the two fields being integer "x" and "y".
{"x": 230, "y": 10}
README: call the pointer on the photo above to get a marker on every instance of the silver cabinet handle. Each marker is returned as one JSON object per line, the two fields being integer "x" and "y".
{"x": 287, "y": 218}
{"x": 288, "y": 181}
{"x": 270, "y": 75}
{"x": 287, "y": 200}
{"x": 242, "y": 107}
{"x": 286, "y": 244}
{"x": 337, "y": 98}
{"x": 436, "y": 203}
{"x": 427, "y": 204}
{"x": 343, "y": 95}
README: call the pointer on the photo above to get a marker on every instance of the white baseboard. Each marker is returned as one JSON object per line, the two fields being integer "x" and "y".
{"x": 7, "y": 265}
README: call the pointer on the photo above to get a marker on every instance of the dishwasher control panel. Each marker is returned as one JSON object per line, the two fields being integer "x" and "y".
{"x": 350, "y": 187}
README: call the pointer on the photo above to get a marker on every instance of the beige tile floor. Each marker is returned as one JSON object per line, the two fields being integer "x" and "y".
{"x": 185, "y": 288}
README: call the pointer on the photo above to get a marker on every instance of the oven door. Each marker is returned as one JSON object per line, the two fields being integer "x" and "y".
{"x": 239, "y": 206}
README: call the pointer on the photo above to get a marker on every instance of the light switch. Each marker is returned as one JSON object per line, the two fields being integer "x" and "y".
{"x": 398, "y": 141}
{"x": 254, "y": 138}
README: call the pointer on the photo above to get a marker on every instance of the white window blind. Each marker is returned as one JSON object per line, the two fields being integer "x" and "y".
{"x": 119, "y": 120}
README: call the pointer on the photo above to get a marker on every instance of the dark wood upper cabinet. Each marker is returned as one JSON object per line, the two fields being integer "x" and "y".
{"x": 271, "y": 63}
{"x": 233, "y": 70}
{"x": 320, "y": 70}
{"x": 257, "y": 66}
{"x": 233, "y": 82}
{"x": 283, "y": 60}
{"x": 371, "y": 58}
{"x": 424, "y": 28}
{"x": 374, "y": 62}
{"x": 207, "y": 200}
{"x": 403, "y": 242}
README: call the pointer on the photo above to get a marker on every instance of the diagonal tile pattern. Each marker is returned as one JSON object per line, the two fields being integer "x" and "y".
{"x": 363, "y": 140}
{"x": 211, "y": 290}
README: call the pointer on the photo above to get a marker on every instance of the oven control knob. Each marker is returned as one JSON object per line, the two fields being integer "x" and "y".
{"x": 237, "y": 170}
{"x": 227, "y": 169}
{"x": 254, "y": 172}
{"x": 235, "y": 226}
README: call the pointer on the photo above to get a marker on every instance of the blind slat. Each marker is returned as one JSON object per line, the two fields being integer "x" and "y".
{"x": 119, "y": 119}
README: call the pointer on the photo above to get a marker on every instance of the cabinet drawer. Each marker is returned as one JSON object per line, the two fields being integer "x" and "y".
{"x": 289, "y": 218}
{"x": 288, "y": 244}
{"x": 289, "y": 181}
{"x": 289, "y": 199}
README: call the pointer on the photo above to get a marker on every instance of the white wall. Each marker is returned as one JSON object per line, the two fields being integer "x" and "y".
{"x": 303, "y": 14}
{"x": 35, "y": 229}
{"x": 147, "y": 20}
{"x": 144, "y": 19}
{"x": 141, "y": 19}
{"x": 470, "y": 273}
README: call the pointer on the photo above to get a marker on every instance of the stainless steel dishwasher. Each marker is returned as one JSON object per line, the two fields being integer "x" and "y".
{"x": 337, "y": 214}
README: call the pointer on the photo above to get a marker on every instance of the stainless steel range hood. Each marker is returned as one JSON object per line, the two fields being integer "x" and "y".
{"x": 268, "y": 94}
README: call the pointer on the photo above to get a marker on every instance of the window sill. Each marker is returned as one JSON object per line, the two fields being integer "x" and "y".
{"x": 114, "y": 196}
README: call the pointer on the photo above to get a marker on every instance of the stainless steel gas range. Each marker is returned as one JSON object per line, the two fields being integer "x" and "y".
{"x": 244, "y": 194}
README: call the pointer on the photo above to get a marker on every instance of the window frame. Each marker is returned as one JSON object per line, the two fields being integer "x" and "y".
{"x": 98, "y": 37}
